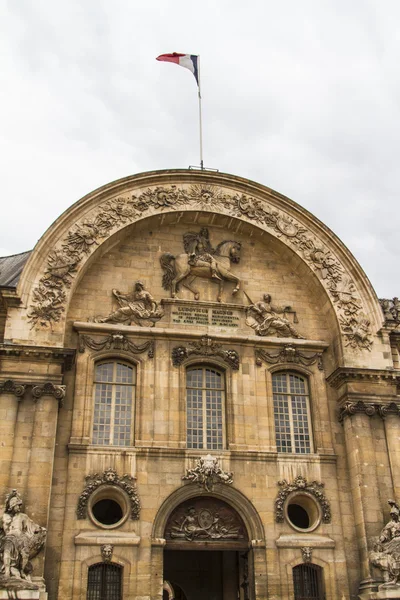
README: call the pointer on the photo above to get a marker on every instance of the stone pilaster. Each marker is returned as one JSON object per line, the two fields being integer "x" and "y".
{"x": 391, "y": 418}
{"x": 363, "y": 482}
{"x": 10, "y": 395}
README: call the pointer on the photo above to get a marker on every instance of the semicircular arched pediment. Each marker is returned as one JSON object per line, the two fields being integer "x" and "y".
{"x": 61, "y": 256}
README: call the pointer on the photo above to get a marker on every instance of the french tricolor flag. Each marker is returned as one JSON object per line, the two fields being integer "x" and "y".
{"x": 189, "y": 61}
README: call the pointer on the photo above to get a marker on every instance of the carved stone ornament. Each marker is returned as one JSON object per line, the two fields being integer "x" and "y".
{"x": 109, "y": 477}
{"x": 268, "y": 319}
{"x": 351, "y": 408}
{"x": 204, "y": 519}
{"x": 207, "y": 473}
{"x": 107, "y": 552}
{"x": 20, "y": 540}
{"x": 306, "y": 553}
{"x": 391, "y": 311}
{"x": 357, "y": 331}
{"x": 115, "y": 341}
{"x": 205, "y": 347}
{"x": 386, "y": 552}
{"x": 138, "y": 307}
{"x": 288, "y": 354}
{"x": 300, "y": 484}
{"x": 200, "y": 259}
{"x": 15, "y": 389}
{"x": 49, "y": 297}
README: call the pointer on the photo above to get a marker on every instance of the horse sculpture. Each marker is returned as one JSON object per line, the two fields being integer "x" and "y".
{"x": 178, "y": 268}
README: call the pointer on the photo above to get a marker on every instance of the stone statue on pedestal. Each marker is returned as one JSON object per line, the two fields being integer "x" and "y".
{"x": 386, "y": 553}
{"x": 20, "y": 540}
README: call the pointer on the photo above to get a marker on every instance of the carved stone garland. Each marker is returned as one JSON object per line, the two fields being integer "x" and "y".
{"x": 205, "y": 347}
{"x": 207, "y": 473}
{"x": 109, "y": 477}
{"x": 115, "y": 341}
{"x": 300, "y": 484}
{"x": 49, "y": 297}
{"x": 288, "y": 354}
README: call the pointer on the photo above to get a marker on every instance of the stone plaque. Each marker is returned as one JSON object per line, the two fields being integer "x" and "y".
{"x": 190, "y": 315}
{"x": 224, "y": 318}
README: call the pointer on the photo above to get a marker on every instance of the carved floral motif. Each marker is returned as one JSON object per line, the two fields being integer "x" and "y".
{"x": 49, "y": 297}
{"x": 109, "y": 477}
{"x": 288, "y": 354}
{"x": 115, "y": 341}
{"x": 300, "y": 484}
{"x": 205, "y": 347}
{"x": 20, "y": 540}
{"x": 207, "y": 473}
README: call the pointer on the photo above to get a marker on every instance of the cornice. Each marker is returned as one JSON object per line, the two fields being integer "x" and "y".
{"x": 347, "y": 374}
{"x": 63, "y": 355}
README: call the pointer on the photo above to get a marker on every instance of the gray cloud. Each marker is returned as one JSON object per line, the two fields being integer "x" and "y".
{"x": 303, "y": 97}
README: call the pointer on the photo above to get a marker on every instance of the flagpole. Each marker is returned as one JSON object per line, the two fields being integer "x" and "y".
{"x": 200, "y": 120}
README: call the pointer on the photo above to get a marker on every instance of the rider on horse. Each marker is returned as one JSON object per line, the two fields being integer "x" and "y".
{"x": 199, "y": 249}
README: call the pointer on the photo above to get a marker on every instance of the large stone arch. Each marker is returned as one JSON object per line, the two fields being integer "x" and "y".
{"x": 69, "y": 245}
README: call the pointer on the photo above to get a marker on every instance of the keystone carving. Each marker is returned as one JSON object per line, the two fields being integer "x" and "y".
{"x": 107, "y": 552}
{"x": 138, "y": 307}
{"x": 385, "y": 555}
{"x": 300, "y": 484}
{"x": 109, "y": 477}
{"x": 115, "y": 341}
{"x": 391, "y": 310}
{"x": 200, "y": 260}
{"x": 265, "y": 318}
{"x": 10, "y": 387}
{"x": 288, "y": 354}
{"x": 205, "y": 347}
{"x": 49, "y": 298}
{"x": 207, "y": 473}
{"x": 306, "y": 553}
{"x": 20, "y": 540}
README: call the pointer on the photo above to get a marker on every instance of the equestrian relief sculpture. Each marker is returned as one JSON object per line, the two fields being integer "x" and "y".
{"x": 200, "y": 259}
{"x": 20, "y": 540}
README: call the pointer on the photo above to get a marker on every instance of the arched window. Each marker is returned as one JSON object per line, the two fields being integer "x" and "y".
{"x": 205, "y": 400}
{"x": 292, "y": 413}
{"x": 104, "y": 582}
{"x": 308, "y": 582}
{"x": 114, "y": 394}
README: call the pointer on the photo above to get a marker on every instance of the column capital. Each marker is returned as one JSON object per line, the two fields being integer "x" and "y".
{"x": 38, "y": 389}
{"x": 13, "y": 388}
{"x": 352, "y": 408}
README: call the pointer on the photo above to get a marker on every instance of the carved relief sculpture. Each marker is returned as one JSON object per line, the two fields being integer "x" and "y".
{"x": 115, "y": 341}
{"x": 265, "y": 318}
{"x": 20, "y": 540}
{"x": 207, "y": 473}
{"x": 200, "y": 260}
{"x": 138, "y": 307}
{"x": 391, "y": 310}
{"x": 386, "y": 553}
{"x": 300, "y": 484}
{"x": 288, "y": 354}
{"x": 109, "y": 477}
{"x": 107, "y": 552}
{"x": 306, "y": 552}
{"x": 205, "y": 347}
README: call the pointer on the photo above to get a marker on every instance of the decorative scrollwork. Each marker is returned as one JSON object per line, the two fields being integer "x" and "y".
{"x": 352, "y": 408}
{"x": 49, "y": 389}
{"x": 300, "y": 484}
{"x": 109, "y": 477}
{"x": 115, "y": 341}
{"x": 205, "y": 347}
{"x": 207, "y": 473}
{"x": 288, "y": 354}
{"x": 10, "y": 387}
{"x": 49, "y": 297}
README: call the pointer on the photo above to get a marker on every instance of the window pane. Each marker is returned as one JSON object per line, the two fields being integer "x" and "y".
{"x": 205, "y": 405}
{"x": 291, "y": 410}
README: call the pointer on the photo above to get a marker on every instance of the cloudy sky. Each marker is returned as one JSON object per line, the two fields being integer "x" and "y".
{"x": 301, "y": 96}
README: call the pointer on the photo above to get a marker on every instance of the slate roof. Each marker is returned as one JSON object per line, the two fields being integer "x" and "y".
{"x": 11, "y": 268}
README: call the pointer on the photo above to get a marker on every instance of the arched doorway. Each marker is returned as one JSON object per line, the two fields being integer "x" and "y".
{"x": 206, "y": 553}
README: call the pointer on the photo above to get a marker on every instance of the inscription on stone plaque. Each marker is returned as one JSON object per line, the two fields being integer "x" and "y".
{"x": 205, "y": 316}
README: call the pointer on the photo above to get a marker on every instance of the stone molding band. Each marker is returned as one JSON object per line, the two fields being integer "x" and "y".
{"x": 369, "y": 408}
{"x": 38, "y": 390}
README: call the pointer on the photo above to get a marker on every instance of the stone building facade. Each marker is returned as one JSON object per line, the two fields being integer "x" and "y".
{"x": 199, "y": 397}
